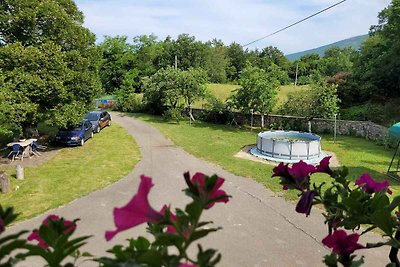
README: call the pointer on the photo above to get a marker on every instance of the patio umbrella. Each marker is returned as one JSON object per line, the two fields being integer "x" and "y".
{"x": 395, "y": 130}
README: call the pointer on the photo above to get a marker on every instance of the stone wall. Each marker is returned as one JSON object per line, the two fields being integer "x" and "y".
{"x": 364, "y": 129}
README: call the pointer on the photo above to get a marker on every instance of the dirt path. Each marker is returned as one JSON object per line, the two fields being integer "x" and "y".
{"x": 259, "y": 228}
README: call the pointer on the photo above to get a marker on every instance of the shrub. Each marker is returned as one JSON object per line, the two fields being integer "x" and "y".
{"x": 173, "y": 114}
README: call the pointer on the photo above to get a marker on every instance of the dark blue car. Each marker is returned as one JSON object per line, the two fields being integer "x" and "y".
{"x": 76, "y": 135}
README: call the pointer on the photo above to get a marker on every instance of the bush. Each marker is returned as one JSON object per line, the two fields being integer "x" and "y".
{"x": 215, "y": 111}
{"x": 173, "y": 114}
{"x": 130, "y": 103}
{"x": 366, "y": 112}
{"x": 321, "y": 101}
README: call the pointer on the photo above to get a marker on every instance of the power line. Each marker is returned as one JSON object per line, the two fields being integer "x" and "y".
{"x": 291, "y": 25}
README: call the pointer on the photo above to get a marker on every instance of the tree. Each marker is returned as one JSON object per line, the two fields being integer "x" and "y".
{"x": 217, "y": 62}
{"x": 378, "y": 66}
{"x": 257, "y": 91}
{"x": 192, "y": 84}
{"x": 32, "y": 22}
{"x": 272, "y": 55}
{"x": 49, "y": 61}
{"x": 320, "y": 101}
{"x": 338, "y": 60}
{"x": 237, "y": 61}
{"x": 189, "y": 52}
{"x": 172, "y": 88}
{"x": 309, "y": 68}
{"x": 117, "y": 59}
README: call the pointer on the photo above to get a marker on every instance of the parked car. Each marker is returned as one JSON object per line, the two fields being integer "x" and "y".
{"x": 99, "y": 119}
{"x": 76, "y": 135}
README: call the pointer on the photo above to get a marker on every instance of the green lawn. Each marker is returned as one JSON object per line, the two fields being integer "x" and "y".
{"x": 219, "y": 144}
{"x": 73, "y": 173}
{"x": 284, "y": 90}
{"x": 223, "y": 91}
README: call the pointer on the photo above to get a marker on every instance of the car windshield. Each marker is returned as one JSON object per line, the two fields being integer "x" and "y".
{"x": 92, "y": 116}
{"x": 78, "y": 128}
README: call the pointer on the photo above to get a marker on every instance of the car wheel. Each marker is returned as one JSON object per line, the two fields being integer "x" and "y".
{"x": 109, "y": 122}
{"x": 91, "y": 134}
{"x": 98, "y": 129}
{"x": 82, "y": 141}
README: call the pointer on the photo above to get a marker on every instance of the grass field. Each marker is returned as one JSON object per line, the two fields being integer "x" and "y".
{"x": 284, "y": 90}
{"x": 73, "y": 173}
{"x": 223, "y": 91}
{"x": 219, "y": 144}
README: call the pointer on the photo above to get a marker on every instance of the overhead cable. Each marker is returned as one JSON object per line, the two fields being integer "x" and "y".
{"x": 293, "y": 24}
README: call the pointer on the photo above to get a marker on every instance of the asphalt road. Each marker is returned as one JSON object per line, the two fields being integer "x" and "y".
{"x": 259, "y": 228}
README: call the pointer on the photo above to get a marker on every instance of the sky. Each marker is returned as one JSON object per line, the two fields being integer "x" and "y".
{"x": 240, "y": 21}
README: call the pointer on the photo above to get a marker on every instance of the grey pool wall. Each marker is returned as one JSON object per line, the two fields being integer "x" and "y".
{"x": 288, "y": 146}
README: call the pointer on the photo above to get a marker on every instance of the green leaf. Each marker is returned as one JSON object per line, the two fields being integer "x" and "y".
{"x": 395, "y": 203}
{"x": 358, "y": 263}
{"x": 142, "y": 244}
{"x": 194, "y": 209}
{"x": 202, "y": 233}
{"x": 383, "y": 220}
{"x": 152, "y": 258}
{"x": 331, "y": 260}
{"x": 168, "y": 240}
{"x": 87, "y": 254}
{"x": 379, "y": 201}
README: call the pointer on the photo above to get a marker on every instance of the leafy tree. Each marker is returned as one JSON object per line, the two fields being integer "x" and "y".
{"x": 32, "y": 22}
{"x": 189, "y": 52}
{"x": 272, "y": 55}
{"x": 48, "y": 62}
{"x": 148, "y": 56}
{"x": 171, "y": 88}
{"x": 192, "y": 84}
{"x": 338, "y": 60}
{"x": 320, "y": 101}
{"x": 117, "y": 60}
{"x": 217, "y": 62}
{"x": 277, "y": 73}
{"x": 237, "y": 61}
{"x": 309, "y": 67}
{"x": 379, "y": 63}
{"x": 257, "y": 91}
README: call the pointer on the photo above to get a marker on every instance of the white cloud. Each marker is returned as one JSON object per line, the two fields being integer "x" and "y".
{"x": 236, "y": 20}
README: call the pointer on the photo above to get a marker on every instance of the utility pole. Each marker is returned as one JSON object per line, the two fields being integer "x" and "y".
{"x": 297, "y": 70}
{"x": 176, "y": 62}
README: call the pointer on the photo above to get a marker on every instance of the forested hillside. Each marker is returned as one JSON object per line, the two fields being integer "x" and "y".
{"x": 353, "y": 42}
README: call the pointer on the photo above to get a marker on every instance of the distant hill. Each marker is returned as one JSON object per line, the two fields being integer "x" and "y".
{"x": 354, "y": 42}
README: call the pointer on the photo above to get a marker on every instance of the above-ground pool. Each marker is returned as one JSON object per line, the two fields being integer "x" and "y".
{"x": 288, "y": 146}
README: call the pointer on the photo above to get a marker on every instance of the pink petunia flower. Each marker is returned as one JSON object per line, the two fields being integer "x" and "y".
{"x": 137, "y": 211}
{"x": 324, "y": 166}
{"x": 281, "y": 170}
{"x": 371, "y": 186}
{"x": 301, "y": 172}
{"x": 69, "y": 226}
{"x": 305, "y": 202}
{"x": 187, "y": 265}
{"x": 2, "y": 226}
{"x": 341, "y": 243}
{"x": 170, "y": 229}
{"x": 198, "y": 180}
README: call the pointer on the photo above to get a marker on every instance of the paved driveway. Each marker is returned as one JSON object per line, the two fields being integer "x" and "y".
{"x": 259, "y": 228}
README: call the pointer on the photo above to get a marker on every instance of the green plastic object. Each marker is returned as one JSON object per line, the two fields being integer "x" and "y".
{"x": 395, "y": 130}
